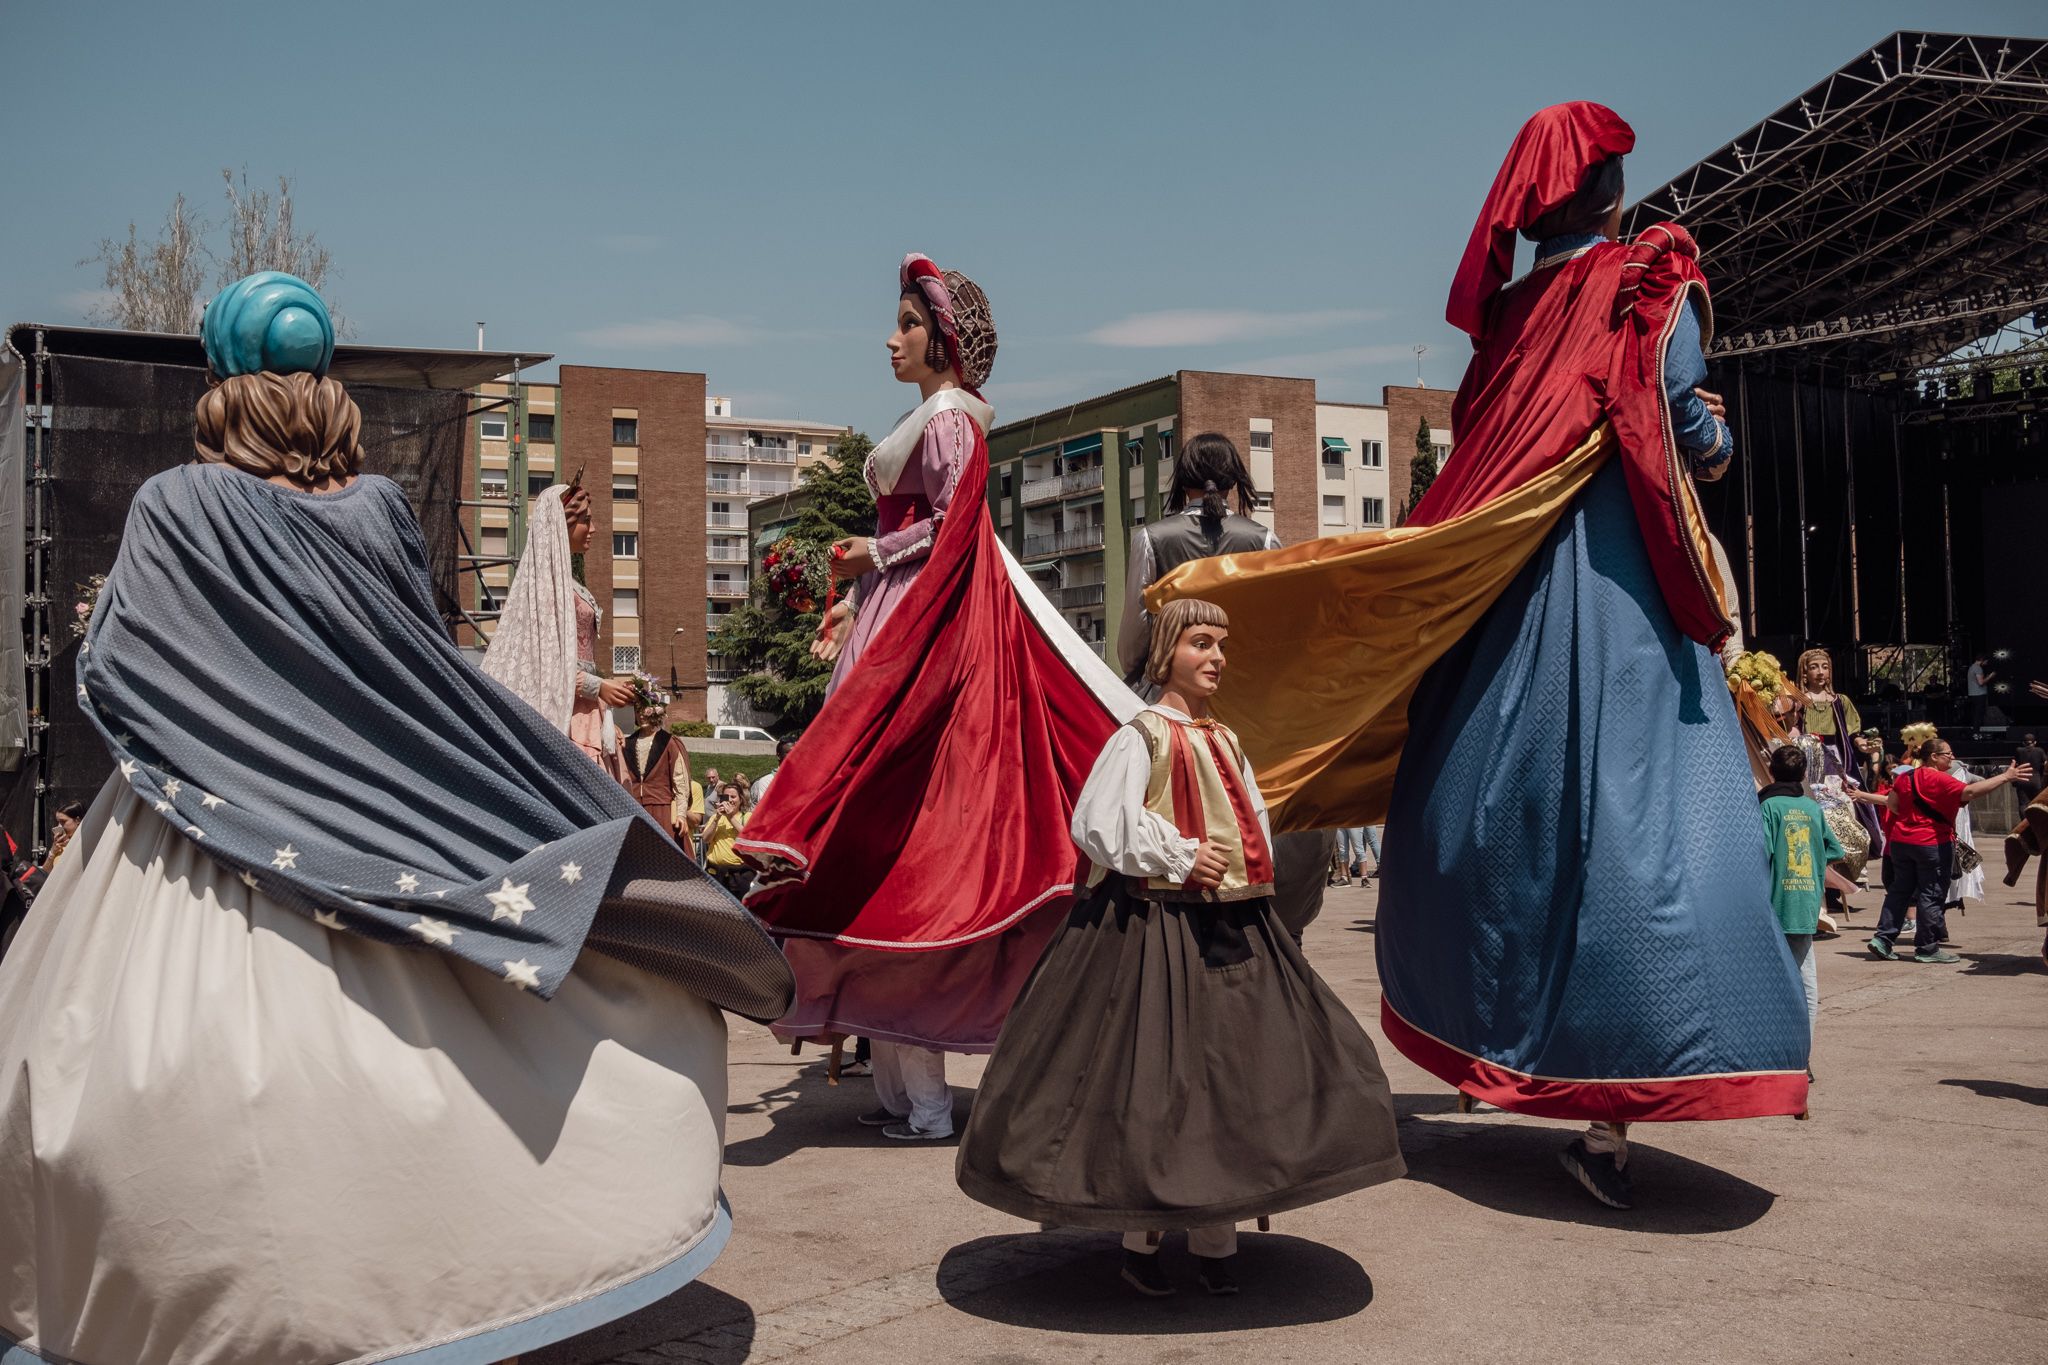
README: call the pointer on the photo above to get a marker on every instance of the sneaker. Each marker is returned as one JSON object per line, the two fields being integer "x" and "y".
{"x": 1599, "y": 1175}
{"x": 878, "y": 1118}
{"x": 910, "y": 1132}
{"x": 1142, "y": 1273}
{"x": 857, "y": 1068}
{"x": 1936, "y": 956}
{"x": 1214, "y": 1275}
{"x": 1882, "y": 948}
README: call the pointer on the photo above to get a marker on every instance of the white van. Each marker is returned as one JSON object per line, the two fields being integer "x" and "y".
{"x": 749, "y": 732}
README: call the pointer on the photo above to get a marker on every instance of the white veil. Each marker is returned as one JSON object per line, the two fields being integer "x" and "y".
{"x": 533, "y": 651}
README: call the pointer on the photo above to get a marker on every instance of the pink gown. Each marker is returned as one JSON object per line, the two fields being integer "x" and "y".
{"x": 953, "y": 1000}
{"x": 587, "y": 720}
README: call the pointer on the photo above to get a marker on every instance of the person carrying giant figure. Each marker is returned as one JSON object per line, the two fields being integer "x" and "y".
{"x": 367, "y": 1018}
{"x": 1575, "y": 915}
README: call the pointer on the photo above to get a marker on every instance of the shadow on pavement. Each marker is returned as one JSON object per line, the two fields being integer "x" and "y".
{"x": 2002, "y": 964}
{"x": 1514, "y": 1169}
{"x": 2005, "y": 1090}
{"x": 807, "y": 1110}
{"x": 1288, "y": 1282}
{"x": 696, "y": 1307}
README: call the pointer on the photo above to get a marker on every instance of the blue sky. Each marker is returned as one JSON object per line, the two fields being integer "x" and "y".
{"x": 1283, "y": 187}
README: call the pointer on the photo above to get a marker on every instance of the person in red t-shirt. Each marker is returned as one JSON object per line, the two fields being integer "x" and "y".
{"x": 1922, "y": 836}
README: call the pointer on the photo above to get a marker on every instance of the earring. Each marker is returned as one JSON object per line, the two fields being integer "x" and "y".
{"x": 935, "y": 354}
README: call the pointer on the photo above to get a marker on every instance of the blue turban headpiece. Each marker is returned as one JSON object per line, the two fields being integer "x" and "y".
{"x": 267, "y": 321}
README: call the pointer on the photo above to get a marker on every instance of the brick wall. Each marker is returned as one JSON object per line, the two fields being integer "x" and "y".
{"x": 1406, "y": 407}
{"x": 672, "y": 532}
{"x": 1228, "y": 402}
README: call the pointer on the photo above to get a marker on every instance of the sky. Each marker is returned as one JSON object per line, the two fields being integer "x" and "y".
{"x": 1279, "y": 187}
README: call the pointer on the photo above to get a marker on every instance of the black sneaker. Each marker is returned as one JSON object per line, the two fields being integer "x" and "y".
{"x": 1599, "y": 1175}
{"x": 879, "y": 1118}
{"x": 1214, "y": 1275}
{"x": 1142, "y": 1273}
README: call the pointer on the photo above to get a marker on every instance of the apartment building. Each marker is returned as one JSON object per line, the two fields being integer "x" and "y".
{"x": 670, "y": 470}
{"x": 1067, "y": 488}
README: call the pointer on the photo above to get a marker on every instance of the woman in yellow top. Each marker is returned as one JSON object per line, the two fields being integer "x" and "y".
{"x": 721, "y": 827}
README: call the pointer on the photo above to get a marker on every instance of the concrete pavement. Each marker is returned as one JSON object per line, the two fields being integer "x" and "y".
{"x": 1906, "y": 1221}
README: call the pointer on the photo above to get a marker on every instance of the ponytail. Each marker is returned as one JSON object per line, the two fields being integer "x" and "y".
{"x": 1210, "y": 462}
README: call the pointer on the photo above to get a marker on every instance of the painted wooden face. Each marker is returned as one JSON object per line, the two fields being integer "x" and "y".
{"x": 910, "y": 344}
{"x": 1197, "y": 668}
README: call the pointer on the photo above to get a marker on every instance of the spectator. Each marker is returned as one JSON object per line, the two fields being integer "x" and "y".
{"x": 1979, "y": 680}
{"x": 721, "y": 828}
{"x": 62, "y": 827}
{"x": 782, "y": 748}
{"x": 1801, "y": 846}
{"x": 1921, "y": 847}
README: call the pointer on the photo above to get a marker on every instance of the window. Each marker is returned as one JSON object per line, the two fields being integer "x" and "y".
{"x": 1442, "y": 453}
{"x": 1004, "y": 483}
{"x": 625, "y": 488}
{"x": 1262, "y": 502}
{"x": 1372, "y": 454}
{"x": 625, "y": 658}
{"x": 1333, "y": 464}
{"x": 1262, "y": 440}
{"x": 1137, "y": 511}
{"x": 536, "y": 484}
{"x": 540, "y": 428}
{"x": 625, "y": 603}
{"x": 625, "y": 545}
{"x": 1333, "y": 511}
{"x": 491, "y": 428}
{"x": 625, "y": 431}
{"x": 497, "y": 540}
{"x": 1165, "y": 447}
{"x": 1373, "y": 511}
{"x": 491, "y": 483}
{"x": 803, "y": 447}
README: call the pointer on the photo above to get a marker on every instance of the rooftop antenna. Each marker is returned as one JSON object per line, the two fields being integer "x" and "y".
{"x": 479, "y": 336}
{"x": 1420, "y": 351}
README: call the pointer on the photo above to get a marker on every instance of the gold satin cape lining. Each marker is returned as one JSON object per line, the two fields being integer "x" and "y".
{"x": 1329, "y": 638}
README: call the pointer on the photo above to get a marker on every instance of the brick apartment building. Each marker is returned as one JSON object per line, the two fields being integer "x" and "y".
{"x": 670, "y": 470}
{"x": 1066, "y": 488}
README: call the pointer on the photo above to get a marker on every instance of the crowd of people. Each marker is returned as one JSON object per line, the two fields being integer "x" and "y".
{"x": 400, "y": 1033}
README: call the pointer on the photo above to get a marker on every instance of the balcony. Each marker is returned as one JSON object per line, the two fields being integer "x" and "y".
{"x": 746, "y": 488}
{"x": 725, "y": 587}
{"x": 1073, "y": 540}
{"x": 727, "y": 554}
{"x": 1079, "y": 596}
{"x": 734, "y": 453}
{"x": 726, "y": 521}
{"x": 1062, "y": 486}
{"x": 713, "y": 620}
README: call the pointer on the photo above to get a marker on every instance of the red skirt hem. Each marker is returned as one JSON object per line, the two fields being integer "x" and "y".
{"x": 1743, "y": 1095}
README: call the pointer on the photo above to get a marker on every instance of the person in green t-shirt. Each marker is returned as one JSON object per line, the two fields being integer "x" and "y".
{"x": 1801, "y": 849}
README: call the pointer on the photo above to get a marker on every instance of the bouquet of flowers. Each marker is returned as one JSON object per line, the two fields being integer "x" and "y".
{"x": 647, "y": 691}
{"x": 797, "y": 574}
{"x": 88, "y": 598}
{"x": 1762, "y": 672}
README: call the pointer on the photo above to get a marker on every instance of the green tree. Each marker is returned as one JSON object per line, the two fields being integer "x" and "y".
{"x": 1422, "y": 471}
{"x": 773, "y": 643}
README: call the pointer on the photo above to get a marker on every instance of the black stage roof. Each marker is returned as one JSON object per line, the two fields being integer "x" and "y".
{"x": 1892, "y": 214}
{"x": 392, "y": 367}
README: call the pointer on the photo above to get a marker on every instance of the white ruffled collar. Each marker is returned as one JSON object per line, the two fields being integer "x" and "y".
{"x": 887, "y": 460}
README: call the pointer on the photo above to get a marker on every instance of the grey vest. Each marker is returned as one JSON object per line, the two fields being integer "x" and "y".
{"x": 1178, "y": 538}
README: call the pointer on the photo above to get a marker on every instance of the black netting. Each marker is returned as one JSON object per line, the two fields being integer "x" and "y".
{"x": 117, "y": 423}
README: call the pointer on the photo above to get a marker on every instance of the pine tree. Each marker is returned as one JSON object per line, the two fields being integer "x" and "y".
{"x": 1422, "y": 471}
{"x": 774, "y": 643}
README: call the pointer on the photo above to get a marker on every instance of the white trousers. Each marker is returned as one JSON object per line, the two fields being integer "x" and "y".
{"x": 911, "y": 1081}
{"x": 1210, "y": 1243}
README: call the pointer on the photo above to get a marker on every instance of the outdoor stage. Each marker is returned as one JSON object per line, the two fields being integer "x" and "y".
{"x": 1877, "y": 254}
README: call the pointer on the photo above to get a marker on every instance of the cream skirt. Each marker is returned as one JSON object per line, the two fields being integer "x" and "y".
{"x": 229, "y": 1136}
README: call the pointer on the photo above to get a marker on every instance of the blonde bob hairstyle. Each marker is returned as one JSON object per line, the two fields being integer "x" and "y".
{"x": 303, "y": 426}
{"x": 1175, "y": 619}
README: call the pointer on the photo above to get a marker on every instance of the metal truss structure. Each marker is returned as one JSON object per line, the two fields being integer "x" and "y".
{"x": 1891, "y": 216}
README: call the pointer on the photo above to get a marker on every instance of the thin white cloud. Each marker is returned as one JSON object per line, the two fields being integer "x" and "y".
{"x": 1343, "y": 358}
{"x": 1215, "y": 326}
{"x": 696, "y": 330}
{"x": 85, "y": 303}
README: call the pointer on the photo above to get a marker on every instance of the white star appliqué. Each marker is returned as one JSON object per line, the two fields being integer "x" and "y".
{"x": 210, "y": 802}
{"x": 408, "y": 883}
{"x": 327, "y": 919}
{"x": 571, "y": 872}
{"x": 287, "y": 858}
{"x": 81, "y": 692}
{"x": 249, "y": 879}
{"x": 85, "y": 649}
{"x": 510, "y": 902}
{"x": 195, "y": 831}
{"x": 173, "y": 787}
{"x": 523, "y": 974}
{"x": 127, "y": 767}
{"x": 162, "y": 806}
{"x": 434, "y": 930}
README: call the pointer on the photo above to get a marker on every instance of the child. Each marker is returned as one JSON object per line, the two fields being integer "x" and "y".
{"x": 1173, "y": 1061}
{"x": 1801, "y": 847}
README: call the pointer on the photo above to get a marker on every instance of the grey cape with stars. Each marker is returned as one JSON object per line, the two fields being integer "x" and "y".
{"x": 271, "y": 675}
